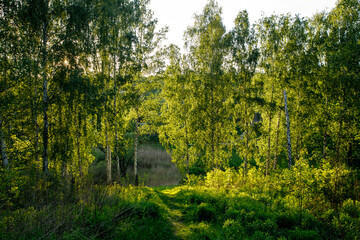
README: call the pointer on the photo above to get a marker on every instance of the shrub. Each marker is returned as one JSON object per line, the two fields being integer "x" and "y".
{"x": 268, "y": 226}
{"x": 299, "y": 234}
{"x": 146, "y": 210}
{"x": 203, "y": 212}
{"x": 222, "y": 179}
{"x": 352, "y": 208}
{"x": 201, "y": 231}
{"x": 206, "y": 213}
{"x": 233, "y": 230}
{"x": 285, "y": 220}
{"x": 233, "y": 214}
{"x": 258, "y": 235}
{"x": 193, "y": 180}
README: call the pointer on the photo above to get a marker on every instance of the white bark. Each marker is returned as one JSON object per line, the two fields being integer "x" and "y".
{"x": 288, "y": 129}
{"x": 4, "y": 156}
{"x": 108, "y": 159}
{"x": 269, "y": 132}
{"x": 45, "y": 100}
{"x": 136, "y": 152}
{"x": 277, "y": 140}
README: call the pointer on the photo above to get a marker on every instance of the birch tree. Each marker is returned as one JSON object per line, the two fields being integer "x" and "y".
{"x": 245, "y": 54}
{"x": 208, "y": 43}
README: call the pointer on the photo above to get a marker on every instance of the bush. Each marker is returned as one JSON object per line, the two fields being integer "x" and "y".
{"x": 299, "y": 234}
{"x": 193, "y": 180}
{"x": 258, "y": 235}
{"x": 201, "y": 231}
{"x": 203, "y": 212}
{"x": 352, "y": 208}
{"x": 286, "y": 221}
{"x": 233, "y": 230}
{"x": 146, "y": 210}
{"x": 222, "y": 179}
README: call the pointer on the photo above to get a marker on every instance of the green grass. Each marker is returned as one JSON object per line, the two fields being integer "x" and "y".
{"x": 223, "y": 205}
{"x": 180, "y": 212}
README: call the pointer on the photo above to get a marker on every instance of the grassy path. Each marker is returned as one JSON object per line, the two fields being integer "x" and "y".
{"x": 175, "y": 208}
{"x": 195, "y": 213}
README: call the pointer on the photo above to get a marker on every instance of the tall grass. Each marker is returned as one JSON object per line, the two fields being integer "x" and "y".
{"x": 95, "y": 212}
{"x": 155, "y": 167}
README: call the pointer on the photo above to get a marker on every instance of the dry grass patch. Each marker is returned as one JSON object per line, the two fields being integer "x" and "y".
{"x": 155, "y": 167}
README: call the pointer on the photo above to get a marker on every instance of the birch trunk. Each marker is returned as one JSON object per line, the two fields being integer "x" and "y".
{"x": 246, "y": 143}
{"x": 298, "y": 129}
{"x": 115, "y": 123}
{"x": 136, "y": 152}
{"x": 117, "y": 154}
{"x": 36, "y": 128}
{"x": 4, "y": 156}
{"x": 45, "y": 99}
{"x": 339, "y": 153}
{"x": 288, "y": 129}
{"x": 325, "y": 129}
{"x": 187, "y": 150}
{"x": 277, "y": 140}
{"x": 269, "y": 137}
{"x": 108, "y": 158}
{"x": 338, "y": 144}
{"x": 78, "y": 144}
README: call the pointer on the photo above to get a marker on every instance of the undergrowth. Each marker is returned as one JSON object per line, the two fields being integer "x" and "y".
{"x": 99, "y": 212}
{"x": 301, "y": 203}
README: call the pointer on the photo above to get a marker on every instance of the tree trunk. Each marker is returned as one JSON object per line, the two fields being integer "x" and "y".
{"x": 269, "y": 137}
{"x": 325, "y": 129}
{"x": 338, "y": 144}
{"x": 136, "y": 152}
{"x": 64, "y": 170}
{"x": 298, "y": 129}
{"x": 187, "y": 151}
{"x": 247, "y": 150}
{"x": 117, "y": 154}
{"x": 213, "y": 147}
{"x": 45, "y": 99}
{"x": 277, "y": 140}
{"x": 78, "y": 143}
{"x": 116, "y": 128}
{"x": 288, "y": 130}
{"x": 36, "y": 128}
{"x": 212, "y": 131}
{"x": 339, "y": 153}
{"x": 246, "y": 143}
{"x": 108, "y": 158}
{"x": 4, "y": 156}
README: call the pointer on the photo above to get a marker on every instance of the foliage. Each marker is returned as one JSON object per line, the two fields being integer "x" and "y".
{"x": 83, "y": 83}
{"x": 302, "y": 195}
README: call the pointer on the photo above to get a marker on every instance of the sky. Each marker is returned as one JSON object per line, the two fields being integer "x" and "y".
{"x": 179, "y": 14}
